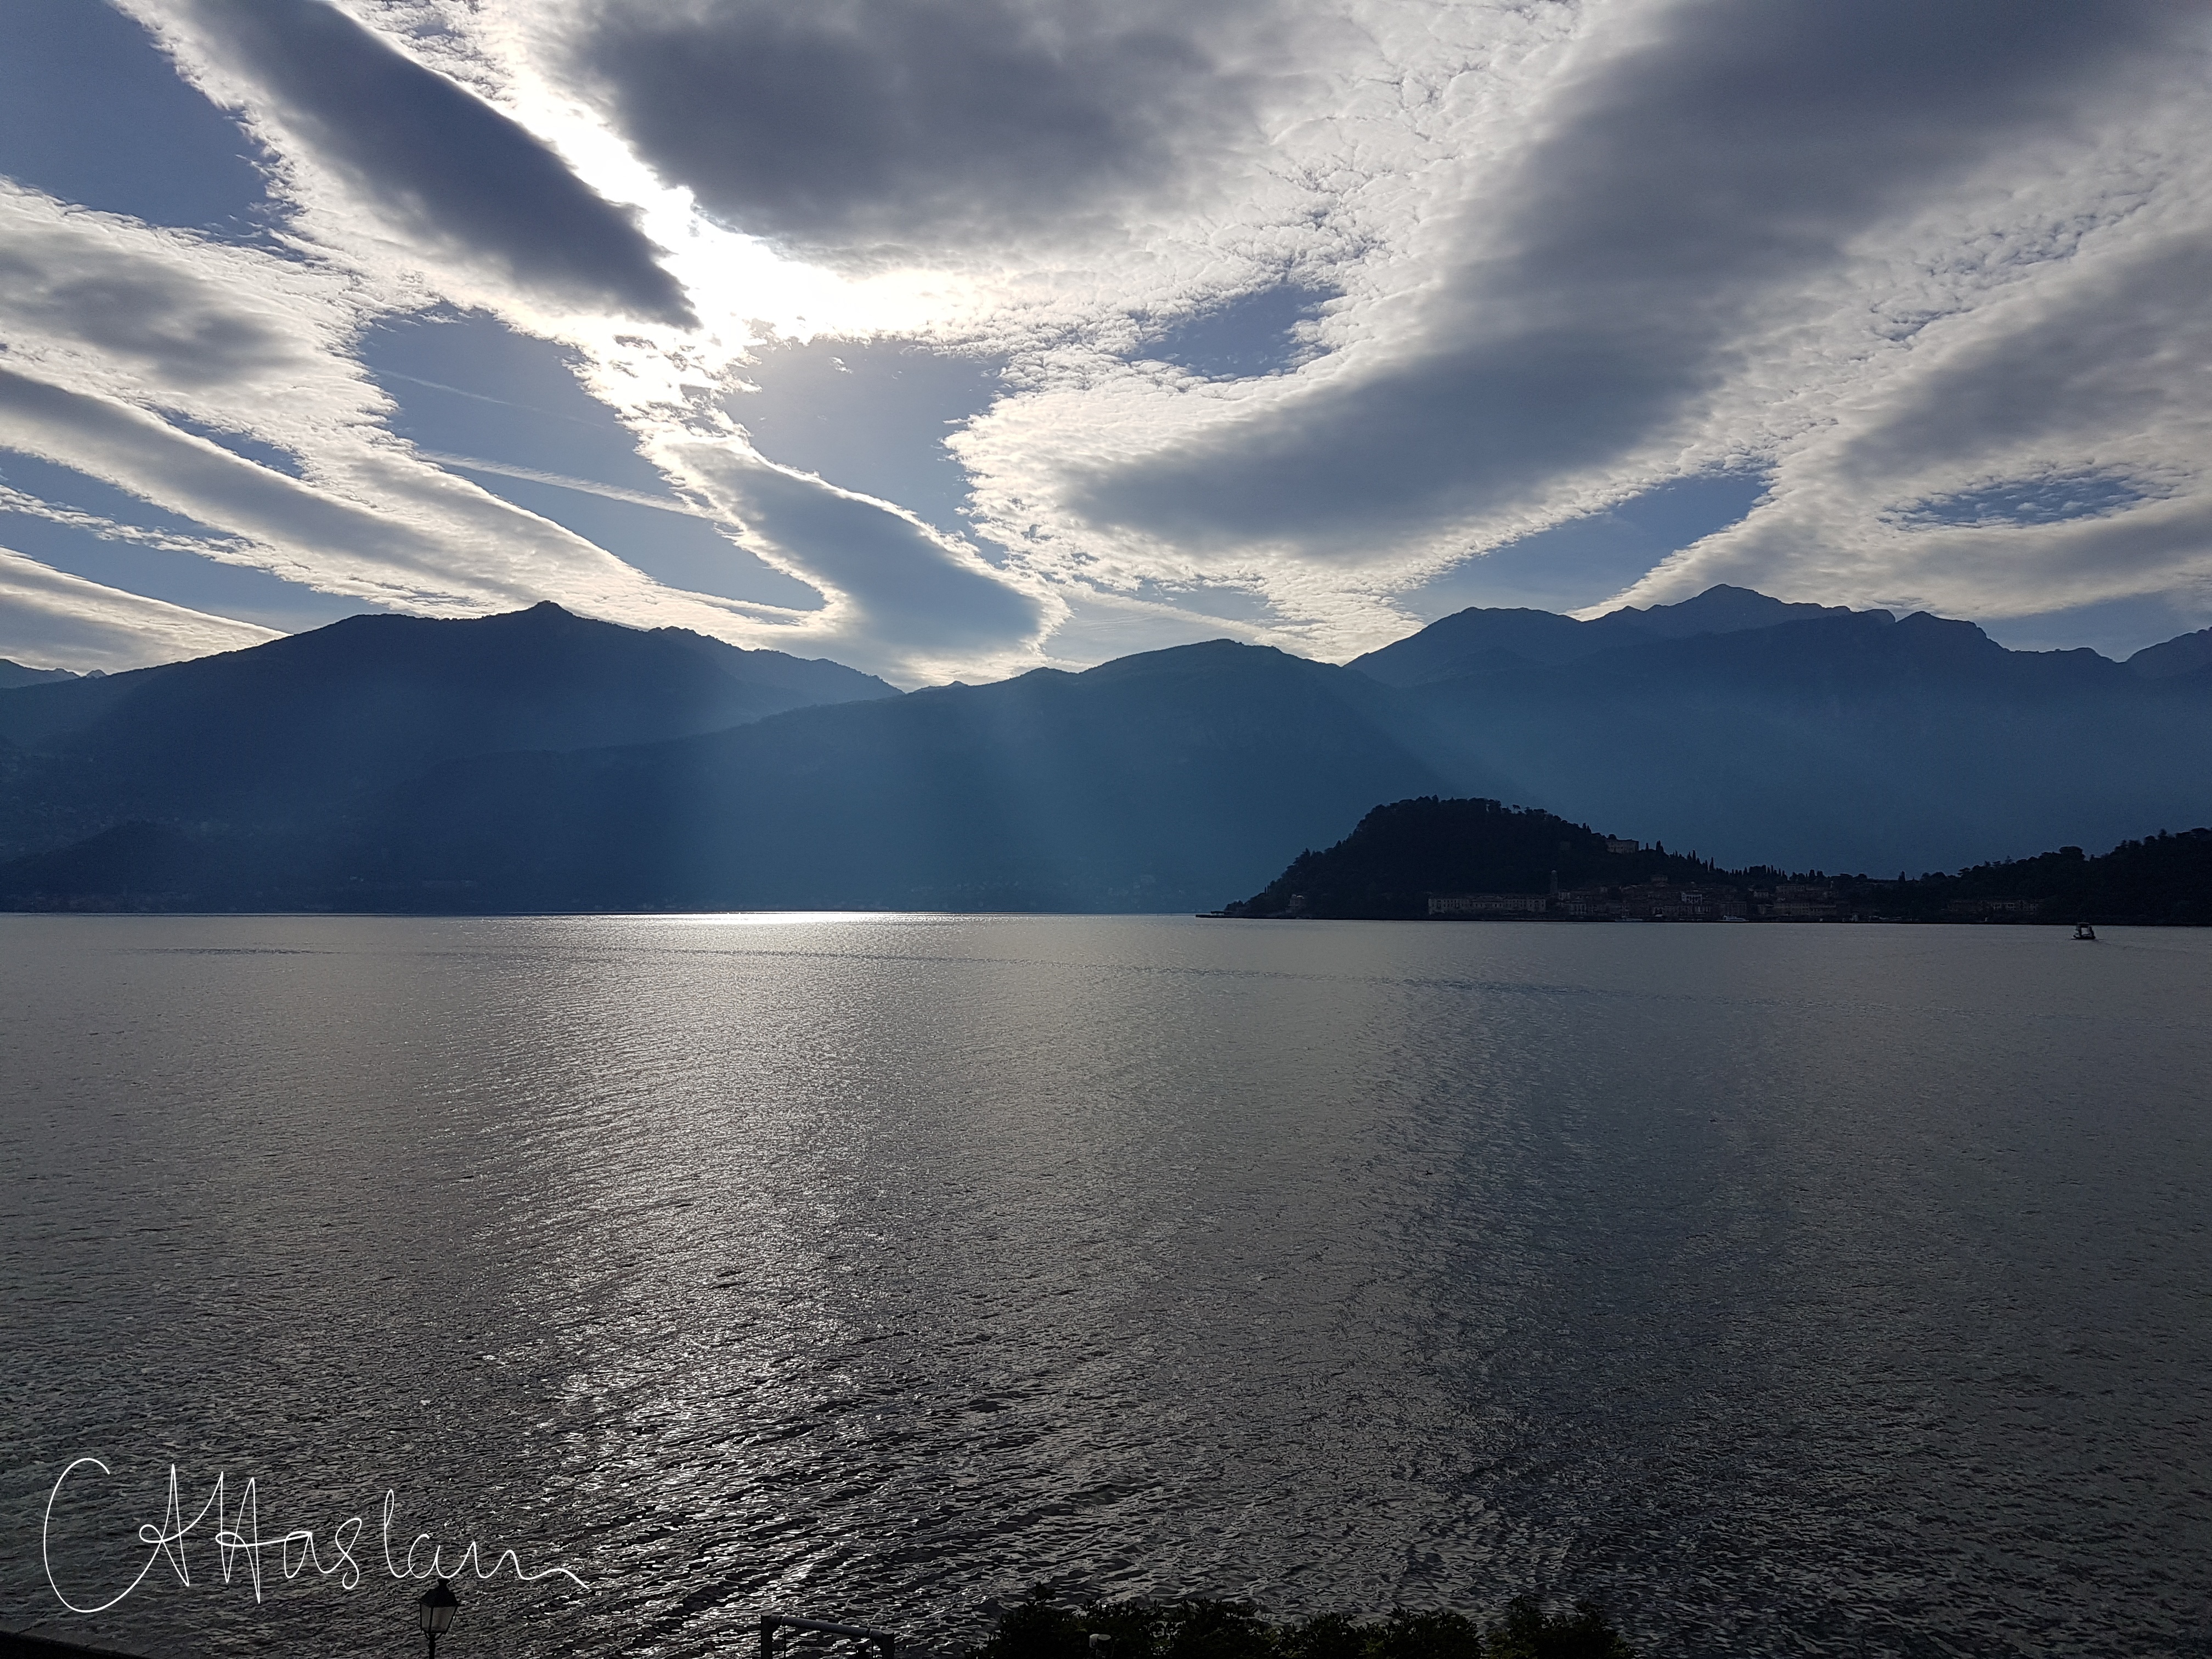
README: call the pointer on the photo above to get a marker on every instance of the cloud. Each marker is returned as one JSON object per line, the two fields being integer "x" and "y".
{"x": 149, "y": 319}
{"x": 112, "y": 530}
{"x": 1694, "y": 171}
{"x": 122, "y": 339}
{"x": 377, "y": 523}
{"x": 2043, "y": 452}
{"x": 903, "y": 597}
{"x": 1301, "y": 305}
{"x": 899, "y": 593}
{"x": 235, "y": 336}
{"x": 441, "y": 164}
{"x": 51, "y": 620}
{"x": 842, "y": 126}
{"x": 286, "y": 527}
{"x": 2107, "y": 350}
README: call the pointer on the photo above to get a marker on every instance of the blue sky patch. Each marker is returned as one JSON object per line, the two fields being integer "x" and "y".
{"x": 183, "y": 578}
{"x": 1251, "y": 336}
{"x": 870, "y": 417}
{"x": 91, "y": 112}
{"x": 2029, "y": 500}
{"x": 1591, "y": 559}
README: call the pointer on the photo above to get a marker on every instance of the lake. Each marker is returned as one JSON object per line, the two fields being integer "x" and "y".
{"x": 1832, "y": 1290}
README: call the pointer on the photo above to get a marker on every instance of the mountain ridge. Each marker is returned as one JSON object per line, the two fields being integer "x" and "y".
{"x": 1113, "y": 788}
{"x": 14, "y": 675}
{"x": 1161, "y": 780}
{"x": 286, "y": 726}
{"x": 1444, "y": 648}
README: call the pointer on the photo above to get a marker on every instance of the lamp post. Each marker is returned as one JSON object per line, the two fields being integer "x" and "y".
{"x": 435, "y": 1611}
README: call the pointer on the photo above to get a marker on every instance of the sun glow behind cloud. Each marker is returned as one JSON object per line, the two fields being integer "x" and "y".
{"x": 1296, "y": 311}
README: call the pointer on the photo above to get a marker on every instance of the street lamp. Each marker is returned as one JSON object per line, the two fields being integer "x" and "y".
{"x": 435, "y": 1611}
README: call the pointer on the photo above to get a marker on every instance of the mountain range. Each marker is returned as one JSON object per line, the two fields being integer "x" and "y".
{"x": 288, "y": 731}
{"x": 542, "y": 760}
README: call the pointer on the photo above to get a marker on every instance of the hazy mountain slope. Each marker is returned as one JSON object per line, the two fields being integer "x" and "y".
{"x": 1849, "y": 742}
{"x": 1480, "y": 640}
{"x": 802, "y": 682}
{"x": 1158, "y": 781}
{"x": 2190, "y": 653}
{"x": 284, "y": 729}
{"x": 372, "y": 778}
{"x": 15, "y": 674}
{"x": 1146, "y": 783}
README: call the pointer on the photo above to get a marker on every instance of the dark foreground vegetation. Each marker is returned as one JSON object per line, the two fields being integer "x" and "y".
{"x": 1435, "y": 857}
{"x": 1202, "y": 1629}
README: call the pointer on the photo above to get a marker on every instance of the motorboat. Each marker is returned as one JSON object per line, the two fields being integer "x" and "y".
{"x": 2086, "y": 933}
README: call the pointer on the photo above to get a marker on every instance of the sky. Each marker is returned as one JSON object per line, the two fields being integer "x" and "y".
{"x": 950, "y": 338}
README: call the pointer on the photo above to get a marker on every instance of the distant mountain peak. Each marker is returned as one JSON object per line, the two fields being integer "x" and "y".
{"x": 546, "y": 613}
{"x": 13, "y": 674}
{"x": 312, "y": 717}
{"x": 1207, "y": 651}
{"x": 1478, "y": 640}
{"x": 1722, "y": 609}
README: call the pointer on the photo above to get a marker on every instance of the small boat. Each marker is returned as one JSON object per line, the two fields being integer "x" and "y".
{"x": 2086, "y": 933}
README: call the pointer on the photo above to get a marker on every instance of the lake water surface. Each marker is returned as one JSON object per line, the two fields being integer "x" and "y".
{"x": 1791, "y": 1290}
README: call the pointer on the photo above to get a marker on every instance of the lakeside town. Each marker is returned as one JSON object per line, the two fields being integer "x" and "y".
{"x": 1479, "y": 860}
{"x": 1659, "y": 899}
